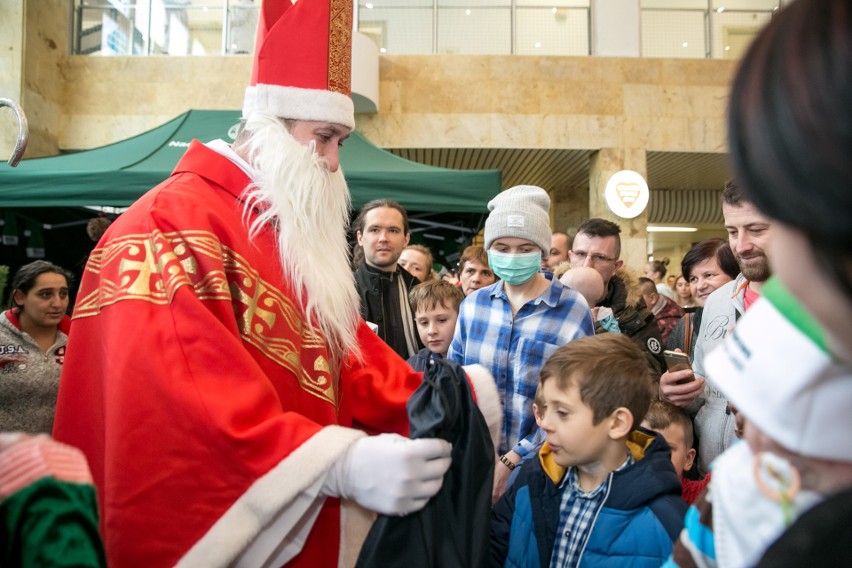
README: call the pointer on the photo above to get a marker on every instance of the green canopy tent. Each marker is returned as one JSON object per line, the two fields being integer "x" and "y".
{"x": 444, "y": 204}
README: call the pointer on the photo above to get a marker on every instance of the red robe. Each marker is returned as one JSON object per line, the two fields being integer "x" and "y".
{"x": 196, "y": 389}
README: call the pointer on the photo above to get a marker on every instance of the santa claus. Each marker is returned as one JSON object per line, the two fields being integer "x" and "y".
{"x": 218, "y": 376}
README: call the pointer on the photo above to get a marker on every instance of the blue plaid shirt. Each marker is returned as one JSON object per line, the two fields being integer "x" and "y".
{"x": 514, "y": 348}
{"x": 577, "y": 512}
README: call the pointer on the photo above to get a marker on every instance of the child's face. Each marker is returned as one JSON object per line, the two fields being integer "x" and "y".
{"x": 567, "y": 421}
{"x": 682, "y": 457}
{"x": 436, "y": 327}
{"x": 415, "y": 263}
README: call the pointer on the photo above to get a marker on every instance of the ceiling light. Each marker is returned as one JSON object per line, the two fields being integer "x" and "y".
{"x": 538, "y": 44}
{"x": 553, "y": 10}
{"x": 685, "y": 44}
{"x": 369, "y": 5}
{"x": 666, "y": 229}
{"x": 467, "y": 12}
{"x": 720, "y": 9}
{"x": 383, "y": 50}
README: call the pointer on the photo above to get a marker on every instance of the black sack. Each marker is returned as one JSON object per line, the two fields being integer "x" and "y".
{"x": 452, "y": 531}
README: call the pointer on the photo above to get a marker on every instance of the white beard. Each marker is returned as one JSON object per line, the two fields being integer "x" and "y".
{"x": 310, "y": 207}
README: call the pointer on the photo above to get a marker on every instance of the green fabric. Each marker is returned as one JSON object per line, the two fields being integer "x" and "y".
{"x": 117, "y": 174}
{"x": 51, "y": 523}
{"x": 791, "y": 309}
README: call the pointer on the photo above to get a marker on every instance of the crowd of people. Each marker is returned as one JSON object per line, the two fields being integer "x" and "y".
{"x": 235, "y": 387}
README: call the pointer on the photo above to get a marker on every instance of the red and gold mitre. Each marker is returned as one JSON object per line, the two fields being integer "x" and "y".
{"x": 303, "y": 61}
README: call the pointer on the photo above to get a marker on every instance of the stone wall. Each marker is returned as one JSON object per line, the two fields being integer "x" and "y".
{"x": 620, "y": 108}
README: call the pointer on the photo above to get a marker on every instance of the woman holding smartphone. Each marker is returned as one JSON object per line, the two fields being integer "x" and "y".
{"x": 707, "y": 266}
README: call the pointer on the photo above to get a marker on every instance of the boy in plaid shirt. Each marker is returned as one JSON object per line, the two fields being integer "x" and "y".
{"x": 514, "y": 325}
{"x": 603, "y": 491}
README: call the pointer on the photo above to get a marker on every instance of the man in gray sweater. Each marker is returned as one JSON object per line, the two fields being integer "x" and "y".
{"x": 749, "y": 233}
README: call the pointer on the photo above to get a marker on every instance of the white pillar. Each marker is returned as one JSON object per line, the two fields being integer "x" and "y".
{"x": 615, "y": 28}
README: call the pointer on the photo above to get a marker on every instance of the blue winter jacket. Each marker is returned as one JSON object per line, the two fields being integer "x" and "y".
{"x": 641, "y": 515}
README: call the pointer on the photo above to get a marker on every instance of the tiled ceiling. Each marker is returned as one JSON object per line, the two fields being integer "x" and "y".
{"x": 701, "y": 173}
{"x": 547, "y": 168}
{"x": 555, "y": 169}
{"x": 687, "y": 170}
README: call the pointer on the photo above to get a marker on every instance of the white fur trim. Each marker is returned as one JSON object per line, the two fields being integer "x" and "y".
{"x": 487, "y": 399}
{"x": 272, "y": 519}
{"x": 300, "y": 104}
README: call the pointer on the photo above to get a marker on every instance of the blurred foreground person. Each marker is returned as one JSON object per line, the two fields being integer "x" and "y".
{"x": 790, "y": 138}
{"x": 784, "y": 497}
{"x": 48, "y": 508}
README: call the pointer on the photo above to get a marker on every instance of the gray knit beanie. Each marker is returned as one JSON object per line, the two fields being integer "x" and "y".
{"x": 523, "y": 212}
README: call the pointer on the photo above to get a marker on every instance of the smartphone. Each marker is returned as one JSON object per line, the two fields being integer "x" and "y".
{"x": 677, "y": 361}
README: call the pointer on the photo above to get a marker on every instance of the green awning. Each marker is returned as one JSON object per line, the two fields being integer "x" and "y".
{"x": 118, "y": 174}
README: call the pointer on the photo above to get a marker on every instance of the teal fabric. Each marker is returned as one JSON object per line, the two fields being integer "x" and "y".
{"x": 118, "y": 174}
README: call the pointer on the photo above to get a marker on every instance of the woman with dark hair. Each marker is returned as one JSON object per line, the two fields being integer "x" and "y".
{"x": 787, "y": 366}
{"x": 790, "y": 139}
{"x": 33, "y": 334}
{"x": 707, "y": 266}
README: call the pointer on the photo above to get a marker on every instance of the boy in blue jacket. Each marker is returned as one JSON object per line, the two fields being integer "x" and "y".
{"x": 603, "y": 491}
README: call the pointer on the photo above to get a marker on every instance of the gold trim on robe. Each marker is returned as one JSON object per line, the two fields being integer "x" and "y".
{"x": 152, "y": 267}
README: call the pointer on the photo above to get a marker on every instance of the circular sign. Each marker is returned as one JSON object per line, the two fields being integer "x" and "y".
{"x": 626, "y": 194}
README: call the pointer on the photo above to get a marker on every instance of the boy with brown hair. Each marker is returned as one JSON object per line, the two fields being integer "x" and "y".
{"x": 603, "y": 490}
{"x": 436, "y": 309}
{"x": 675, "y": 425}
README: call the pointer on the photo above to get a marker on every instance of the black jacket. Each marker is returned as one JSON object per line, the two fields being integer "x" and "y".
{"x": 822, "y": 536}
{"x": 636, "y": 322}
{"x": 452, "y": 531}
{"x": 379, "y": 294}
{"x": 420, "y": 361}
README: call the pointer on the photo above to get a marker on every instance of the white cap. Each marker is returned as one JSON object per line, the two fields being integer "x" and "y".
{"x": 780, "y": 378}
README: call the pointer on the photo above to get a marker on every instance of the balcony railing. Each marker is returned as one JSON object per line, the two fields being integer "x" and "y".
{"x": 669, "y": 28}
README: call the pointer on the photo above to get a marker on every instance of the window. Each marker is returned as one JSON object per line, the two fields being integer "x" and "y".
{"x": 165, "y": 27}
{"x": 670, "y": 28}
{"x": 702, "y": 28}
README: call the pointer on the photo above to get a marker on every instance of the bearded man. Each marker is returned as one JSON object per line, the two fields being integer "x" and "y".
{"x": 221, "y": 380}
{"x": 750, "y": 235}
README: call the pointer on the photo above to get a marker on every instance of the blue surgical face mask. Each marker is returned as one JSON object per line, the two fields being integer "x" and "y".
{"x": 514, "y": 268}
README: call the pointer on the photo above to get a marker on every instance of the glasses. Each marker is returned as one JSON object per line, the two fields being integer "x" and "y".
{"x": 580, "y": 256}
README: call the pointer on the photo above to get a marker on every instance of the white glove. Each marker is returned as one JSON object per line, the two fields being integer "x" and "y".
{"x": 390, "y": 474}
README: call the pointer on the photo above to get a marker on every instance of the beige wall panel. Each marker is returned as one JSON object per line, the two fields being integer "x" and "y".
{"x": 492, "y": 101}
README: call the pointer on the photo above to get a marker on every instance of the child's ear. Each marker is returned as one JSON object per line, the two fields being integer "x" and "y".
{"x": 537, "y": 414}
{"x": 690, "y": 459}
{"x": 621, "y": 423}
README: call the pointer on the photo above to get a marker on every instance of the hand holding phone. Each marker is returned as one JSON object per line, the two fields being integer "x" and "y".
{"x": 678, "y": 361}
